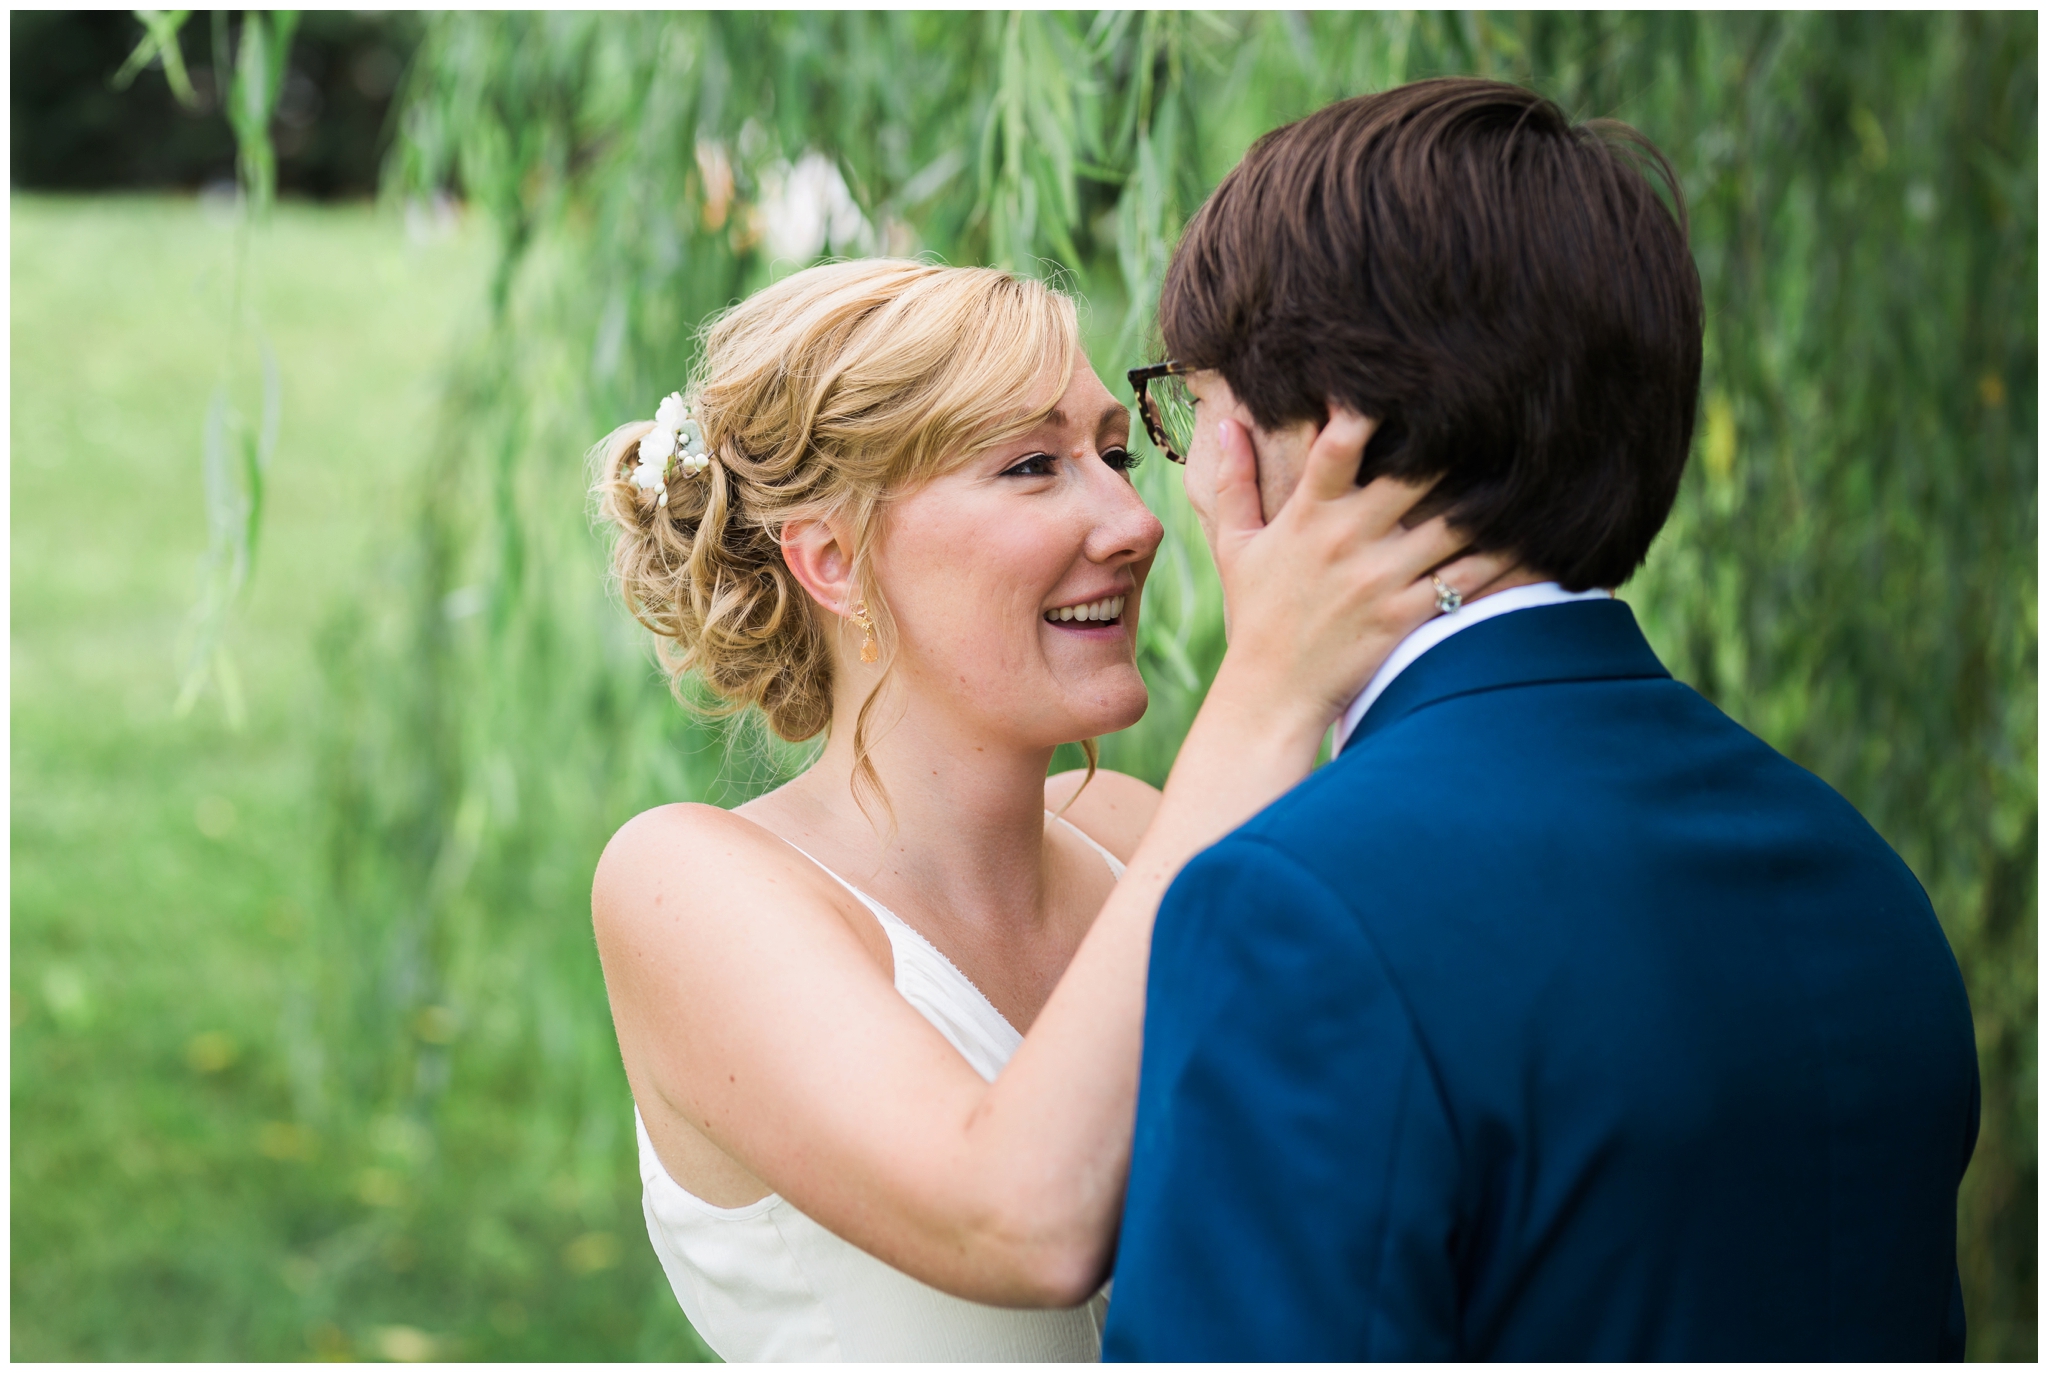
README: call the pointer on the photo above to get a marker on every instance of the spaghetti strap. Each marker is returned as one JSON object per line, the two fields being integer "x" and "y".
{"x": 933, "y": 983}
{"x": 1116, "y": 864}
{"x": 865, "y": 899}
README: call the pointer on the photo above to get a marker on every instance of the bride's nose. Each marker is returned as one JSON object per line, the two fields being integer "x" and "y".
{"x": 1125, "y": 530}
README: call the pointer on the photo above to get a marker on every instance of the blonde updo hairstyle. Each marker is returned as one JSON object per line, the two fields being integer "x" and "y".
{"x": 820, "y": 397}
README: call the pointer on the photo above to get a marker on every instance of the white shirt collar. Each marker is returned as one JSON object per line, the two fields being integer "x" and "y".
{"x": 1442, "y": 628}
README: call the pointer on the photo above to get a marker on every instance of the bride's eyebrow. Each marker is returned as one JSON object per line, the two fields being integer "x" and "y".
{"x": 1113, "y": 416}
{"x": 1054, "y": 424}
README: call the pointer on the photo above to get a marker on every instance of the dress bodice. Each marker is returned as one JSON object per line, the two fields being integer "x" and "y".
{"x": 766, "y": 1282}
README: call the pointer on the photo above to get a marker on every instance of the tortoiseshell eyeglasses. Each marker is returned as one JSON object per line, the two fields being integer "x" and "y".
{"x": 1166, "y": 407}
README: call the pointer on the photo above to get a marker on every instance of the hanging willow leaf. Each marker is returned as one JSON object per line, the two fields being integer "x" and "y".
{"x": 159, "y": 43}
{"x": 235, "y": 454}
{"x": 259, "y": 68}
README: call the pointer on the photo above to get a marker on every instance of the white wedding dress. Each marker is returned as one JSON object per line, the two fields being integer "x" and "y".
{"x": 766, "y": 1282}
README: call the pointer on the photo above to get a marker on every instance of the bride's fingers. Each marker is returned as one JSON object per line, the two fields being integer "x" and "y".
{"x": 1423, "y": 549}
{"x": 1385, "y": 501}
{"x": 1237, "y": 507}
{"x": 1332, "y": 466}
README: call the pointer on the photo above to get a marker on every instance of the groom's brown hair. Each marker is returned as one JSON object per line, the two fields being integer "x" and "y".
{"x": 1505, "y": 291}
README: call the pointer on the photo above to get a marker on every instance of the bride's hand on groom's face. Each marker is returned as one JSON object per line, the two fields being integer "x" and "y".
{"x": 1316, "y": 598}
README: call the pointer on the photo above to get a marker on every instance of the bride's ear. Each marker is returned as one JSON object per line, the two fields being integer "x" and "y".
{"x": 820, "y": 556}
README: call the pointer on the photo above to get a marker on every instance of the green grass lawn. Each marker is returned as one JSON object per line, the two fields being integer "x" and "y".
{"x": 176, "y": 1195}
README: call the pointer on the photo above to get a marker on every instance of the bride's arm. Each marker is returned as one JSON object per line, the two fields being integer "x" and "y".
{"x": 751, "y": 1008}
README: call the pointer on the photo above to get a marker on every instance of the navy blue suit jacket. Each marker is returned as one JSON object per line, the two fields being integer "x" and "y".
{"x": 1558, "y": 1017}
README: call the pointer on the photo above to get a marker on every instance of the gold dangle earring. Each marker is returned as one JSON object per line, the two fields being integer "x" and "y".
{"x": 869, "y": 650}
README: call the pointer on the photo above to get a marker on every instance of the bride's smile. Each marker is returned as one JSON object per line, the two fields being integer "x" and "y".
{"x": 1107, "y": 611}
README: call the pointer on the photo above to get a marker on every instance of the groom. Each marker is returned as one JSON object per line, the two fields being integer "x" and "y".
{"x": 1558, "y": 1017}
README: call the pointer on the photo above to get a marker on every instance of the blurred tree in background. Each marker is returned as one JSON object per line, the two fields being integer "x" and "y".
{"x": 1850, "y": 570}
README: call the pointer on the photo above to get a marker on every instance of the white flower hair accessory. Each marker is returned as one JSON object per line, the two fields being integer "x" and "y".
{"x": 676, "y": 437}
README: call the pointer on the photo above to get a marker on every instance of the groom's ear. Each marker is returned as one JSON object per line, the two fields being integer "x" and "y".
{"x": 819, "y": 555}
{"x": 1282, "y": 454}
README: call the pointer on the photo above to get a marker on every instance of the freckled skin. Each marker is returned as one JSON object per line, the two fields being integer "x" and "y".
{"x": 973, "y": 561}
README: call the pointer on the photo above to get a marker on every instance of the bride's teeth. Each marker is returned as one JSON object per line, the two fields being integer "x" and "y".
{"x": 1094, "y": 612}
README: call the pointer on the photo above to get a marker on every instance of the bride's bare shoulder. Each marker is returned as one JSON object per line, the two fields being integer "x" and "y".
{"x": 1113, "y": 810}
{"x": 686, "y": 856}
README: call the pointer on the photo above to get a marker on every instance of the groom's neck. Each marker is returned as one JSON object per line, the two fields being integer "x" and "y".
{"x": 1515, "y": 576}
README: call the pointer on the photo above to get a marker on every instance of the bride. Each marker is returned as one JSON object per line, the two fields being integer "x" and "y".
{"x": 882, "y": 1025}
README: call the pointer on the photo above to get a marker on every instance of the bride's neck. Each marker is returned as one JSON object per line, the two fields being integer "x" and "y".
{"x": 964, "y": 821}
